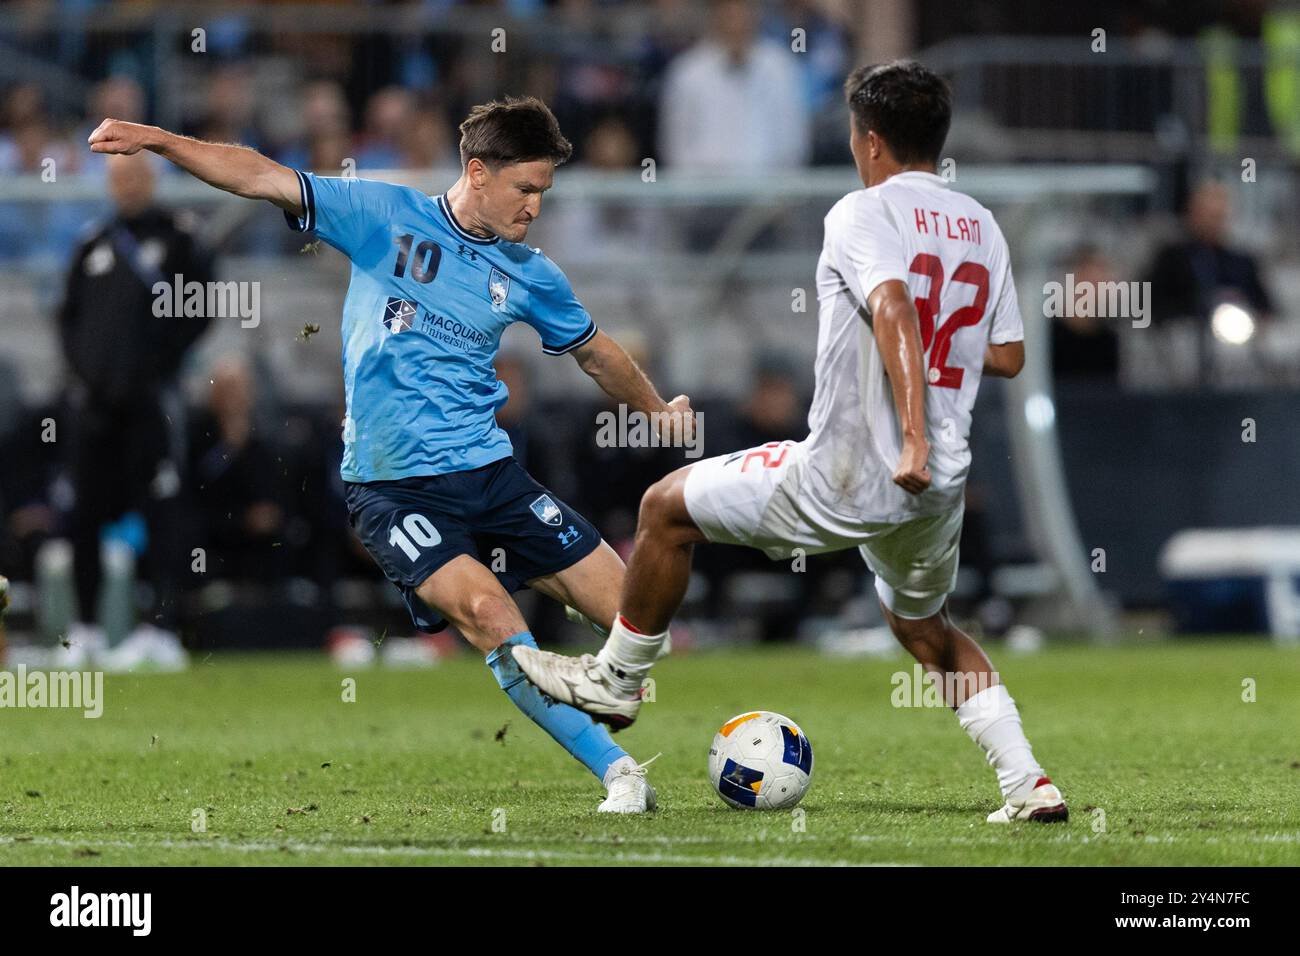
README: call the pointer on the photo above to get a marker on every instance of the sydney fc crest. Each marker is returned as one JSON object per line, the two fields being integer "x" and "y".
{"x": 498, "y": 286}
{"x": 547, "y": 511}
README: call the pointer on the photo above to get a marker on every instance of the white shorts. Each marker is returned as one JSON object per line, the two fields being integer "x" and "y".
{"x": 752, "y": 498}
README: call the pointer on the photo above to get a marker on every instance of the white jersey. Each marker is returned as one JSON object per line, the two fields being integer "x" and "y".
{"x": 951, "y": 254}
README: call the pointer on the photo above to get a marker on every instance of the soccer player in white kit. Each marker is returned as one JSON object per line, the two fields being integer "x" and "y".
{"x": 916, "y": 303}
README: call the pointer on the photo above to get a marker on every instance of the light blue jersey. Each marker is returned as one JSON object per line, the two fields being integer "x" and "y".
{"x": 422, "y": 323}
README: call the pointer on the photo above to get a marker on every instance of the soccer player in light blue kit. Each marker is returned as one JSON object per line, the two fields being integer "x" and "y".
{"x": 431, "y": 482}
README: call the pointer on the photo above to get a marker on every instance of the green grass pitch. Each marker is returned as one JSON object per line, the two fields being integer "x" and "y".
{"x": 1157, "y": 737}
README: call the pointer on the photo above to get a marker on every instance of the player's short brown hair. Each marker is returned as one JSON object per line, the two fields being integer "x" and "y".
{"x": 518, "y": 129}
{"x": 905, "y": 104}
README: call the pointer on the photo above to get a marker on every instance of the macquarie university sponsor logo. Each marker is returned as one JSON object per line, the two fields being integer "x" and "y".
{"x": 212, "y": 300}
{"x": 73, "y": 690}
{"x": 547, "y": 511}
{"x": 402, "y": 315}
{"x": 453, "y": 331}
{"x": 75, "y": 908}
{"x": 632, "y": 429}
{"x": 1099, "y": 300}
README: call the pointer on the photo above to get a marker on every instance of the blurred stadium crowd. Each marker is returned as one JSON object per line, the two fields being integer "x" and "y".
{"x": 393, "y": 101}
{"x": 701, "y": 87}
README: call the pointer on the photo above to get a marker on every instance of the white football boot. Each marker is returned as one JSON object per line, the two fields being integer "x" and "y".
{"x": 630, "y": 792}
{"x": 581, "y": 682}
{"x": 1044, "y": 804}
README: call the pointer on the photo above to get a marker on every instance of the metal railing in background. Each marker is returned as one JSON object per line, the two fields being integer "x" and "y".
{"x": 1217, "y": 106}
{"x": 762, "y": 239}
{"x": 1060, "y": 99}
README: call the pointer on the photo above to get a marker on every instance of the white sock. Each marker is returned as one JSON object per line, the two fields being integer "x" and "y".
{"x": 993, "y": 722}
{"x": 629, "y": 655}
{"x": 616, "y": 769}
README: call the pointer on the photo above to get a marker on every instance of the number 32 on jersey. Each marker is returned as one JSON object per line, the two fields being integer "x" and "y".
{"x": 939, "y": 372}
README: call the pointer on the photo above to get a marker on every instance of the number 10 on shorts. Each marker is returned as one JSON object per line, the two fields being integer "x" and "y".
{"x": 416, "y": 532}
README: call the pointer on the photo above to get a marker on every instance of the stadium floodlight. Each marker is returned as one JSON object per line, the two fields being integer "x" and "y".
{"x": 1040, "y": 412}
{"x": 1232, "y": 324}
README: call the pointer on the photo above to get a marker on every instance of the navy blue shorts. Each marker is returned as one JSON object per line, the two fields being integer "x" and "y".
{"x": 496, "y": 514}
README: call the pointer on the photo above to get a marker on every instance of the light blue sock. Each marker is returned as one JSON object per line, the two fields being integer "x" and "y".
{"x": 588, "y": 741}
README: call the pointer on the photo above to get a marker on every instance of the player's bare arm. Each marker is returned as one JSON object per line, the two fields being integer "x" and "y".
{"x": 898, "y": 337}
{"x": 622, "y": 380}
{"x": 235, "y": 169}
{"x": 1004, "y": 360}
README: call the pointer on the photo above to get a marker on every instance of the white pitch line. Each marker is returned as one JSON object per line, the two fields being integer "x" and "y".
{"x": 1085, "y": 839}
{"x": 617, "y": 856}
{"x": 613, "y": 852}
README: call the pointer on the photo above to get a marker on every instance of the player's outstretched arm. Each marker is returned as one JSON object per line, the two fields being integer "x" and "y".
{"x": 622, "y": 380}
{"x": 235, "y": 169}
{"x": 898, "y": 337}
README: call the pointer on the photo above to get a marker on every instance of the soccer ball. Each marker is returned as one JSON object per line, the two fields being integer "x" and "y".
{"x": 761, "y": 761}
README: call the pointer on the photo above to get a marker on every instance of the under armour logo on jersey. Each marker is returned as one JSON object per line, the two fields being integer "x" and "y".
{"x": 567, "y": 537}
{"x": 465, "y": 250}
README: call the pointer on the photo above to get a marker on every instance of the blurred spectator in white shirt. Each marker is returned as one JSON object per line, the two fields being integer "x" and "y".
{"x": 734, "y": 101}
